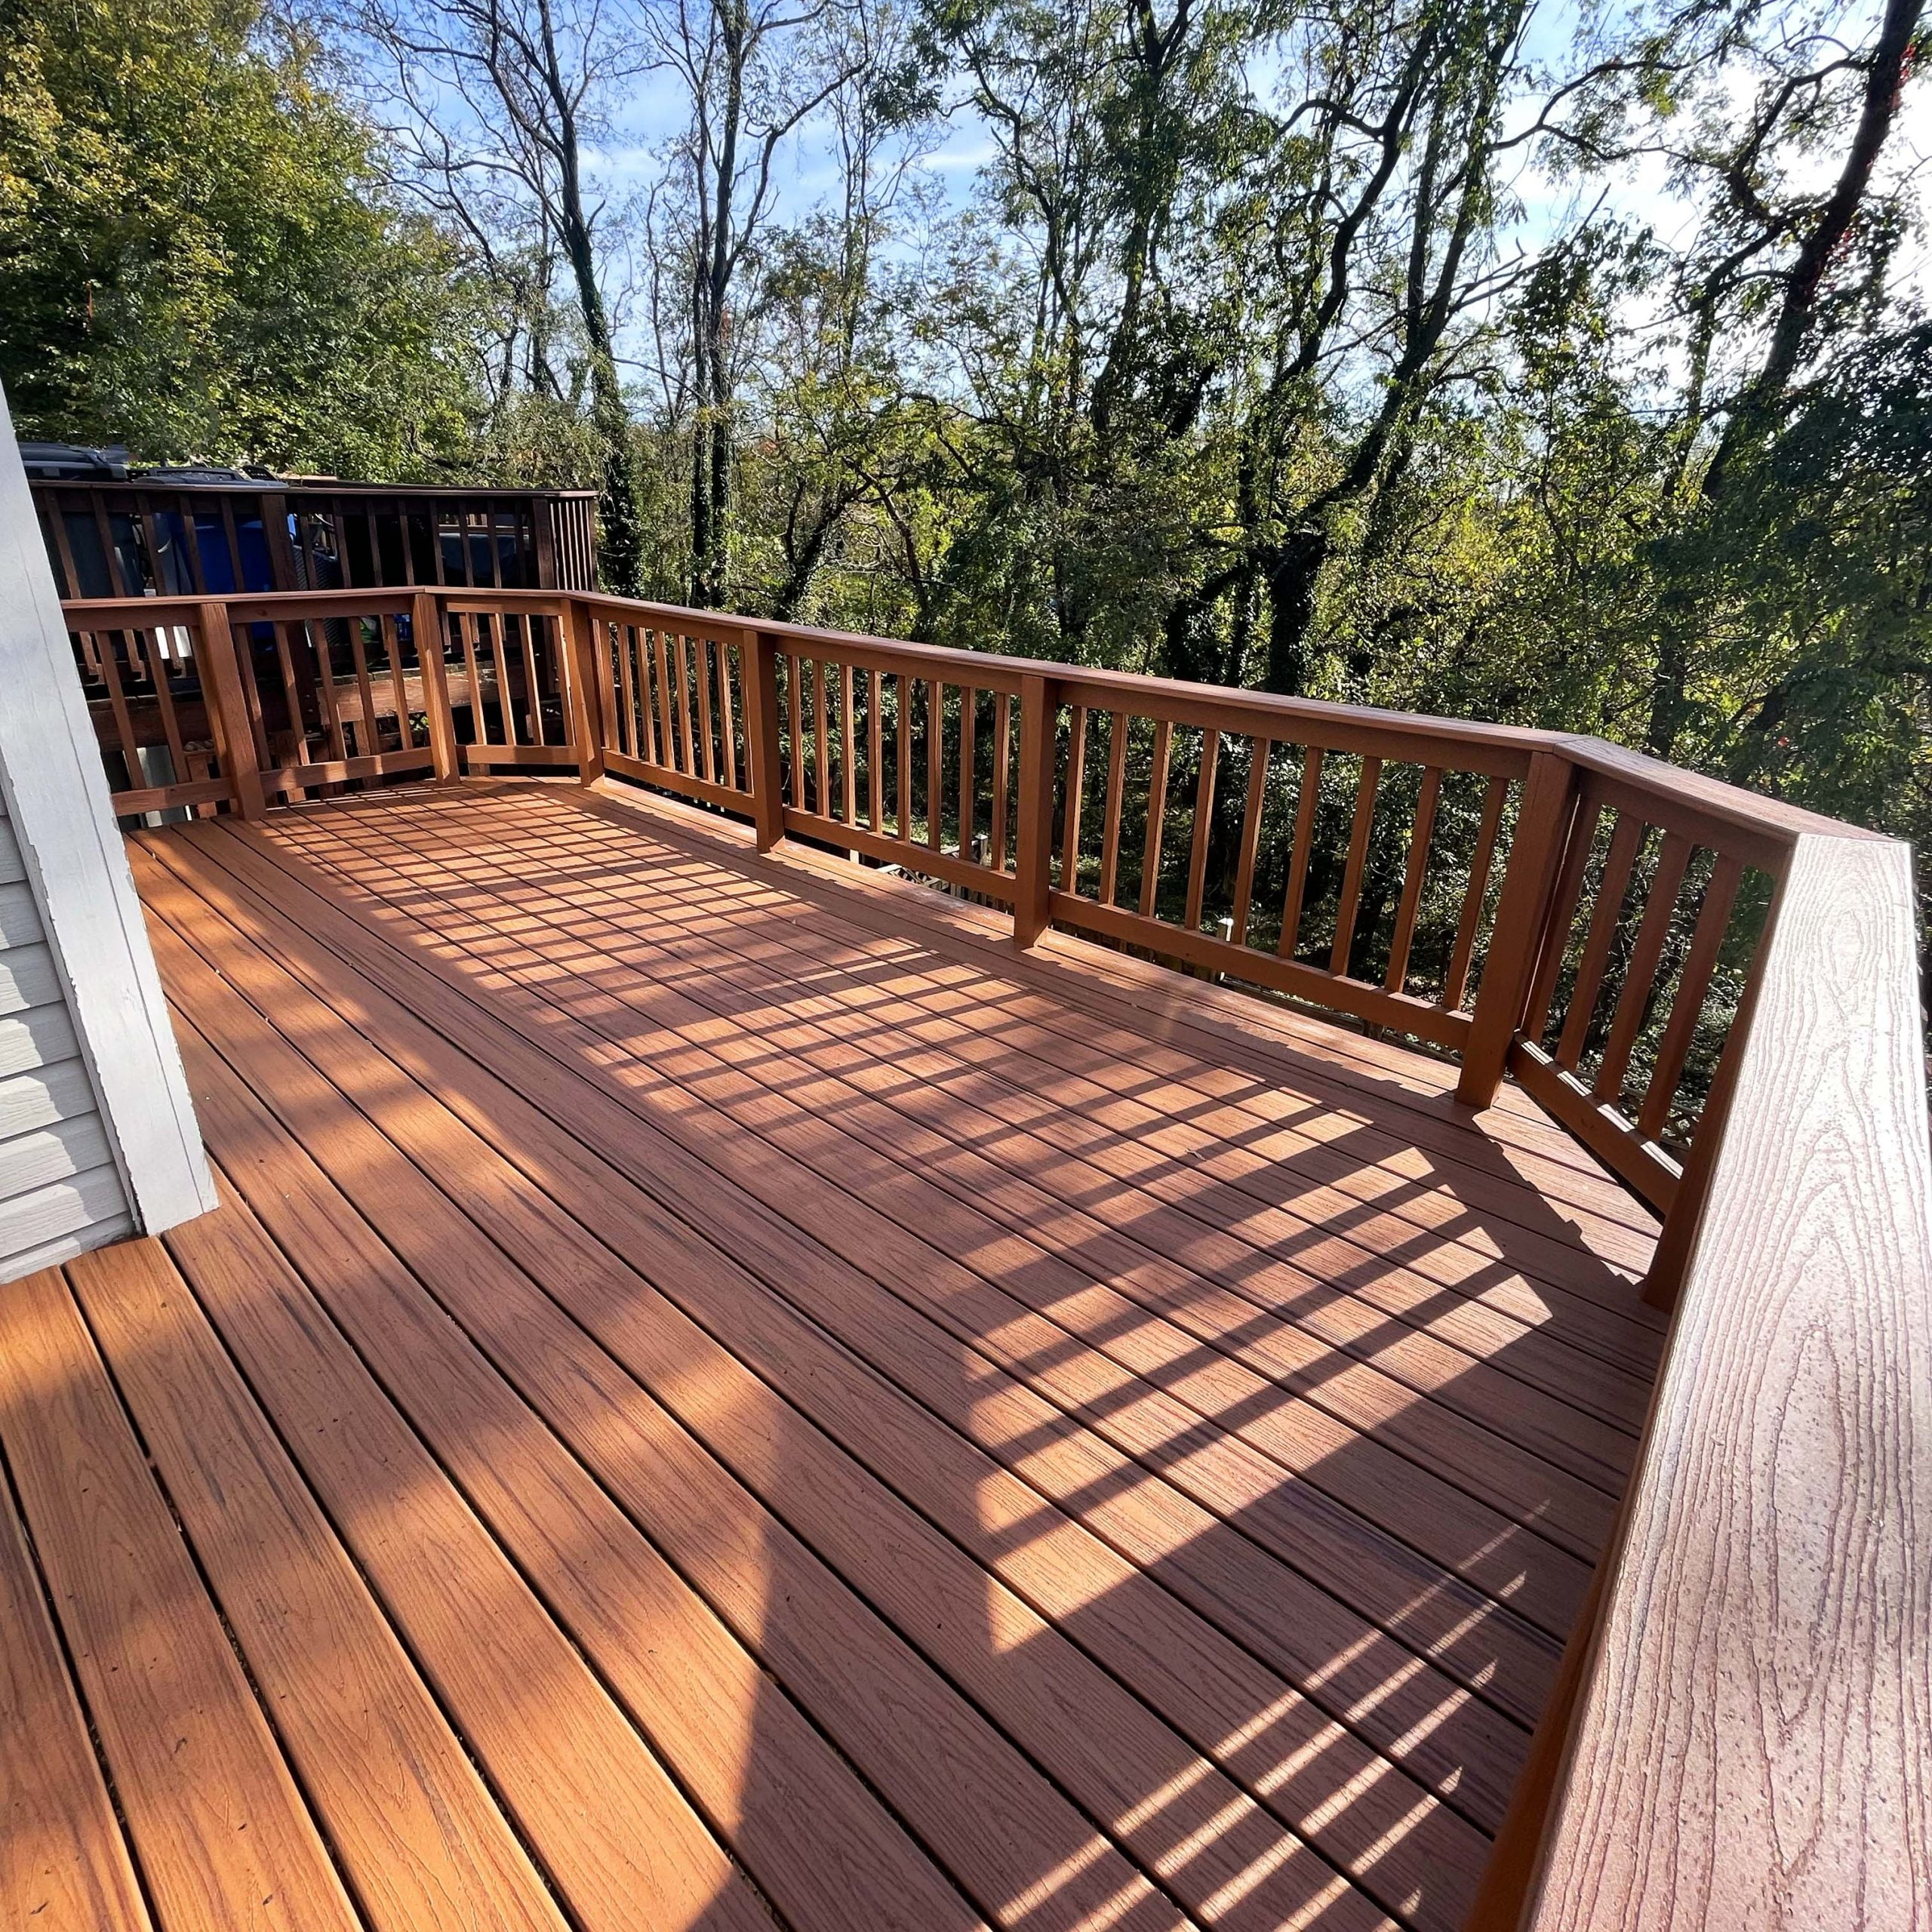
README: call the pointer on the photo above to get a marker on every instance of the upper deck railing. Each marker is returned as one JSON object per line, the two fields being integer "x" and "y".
{"x": 1716, "y": 993}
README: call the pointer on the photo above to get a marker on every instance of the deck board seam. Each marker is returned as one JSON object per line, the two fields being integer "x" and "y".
{"x": 11, "y": 1499}
{"x": 318, "y": 1820}
{"x": 379, "y": 1598}
{"x": 238, "y": 1202}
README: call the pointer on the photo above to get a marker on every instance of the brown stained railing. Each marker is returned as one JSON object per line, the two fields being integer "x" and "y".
{"x": 1714, "y": 992}
{"x": 1552, "y": 908}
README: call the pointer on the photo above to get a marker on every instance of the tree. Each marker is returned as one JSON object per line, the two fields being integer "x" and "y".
{"x": 195, "y": 256}
{"x": 488, "y": 105}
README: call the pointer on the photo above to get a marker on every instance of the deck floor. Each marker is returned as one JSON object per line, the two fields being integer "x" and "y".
{"x": 718, "y": 1393}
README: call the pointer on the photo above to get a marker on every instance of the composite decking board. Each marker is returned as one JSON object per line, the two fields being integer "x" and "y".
{"x": 1294, "y": 1046}
{"x": 419, "y": 1837}
{"x": 1155, "y": 1331}
{"x": 1275, "y": 1098}
{"x": 816, "y": 1842}
{"x": 1026, "y": 1075}
{"x": 679, "y": 942}
{"x": 810, "y": 1486}
{"x": 619, "y": 1842}
{"x": 1083, "y": 1076}
{"x": 64, "y": 1866}
{"x": 1359, "y": 1397}
{"x": 222, "y": 1835}
{"x": 1311, "y": 1770}
{"x": 1072, "y": 977}
{"x": 1002, "y": 1826}
{"x": 1214, "y": 1031}
{"x": 1508, "y": 1661}
{"x": 1205, "y": 1841}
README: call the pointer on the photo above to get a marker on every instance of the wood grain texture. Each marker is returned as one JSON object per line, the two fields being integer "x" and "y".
{"x": 224, "y": 1839}
{"x": 1181, "y": 1665}
{"x": 419, "y": 1836}
{"x": 63, "y": 1865}
{"x": 1753, "y": 1745}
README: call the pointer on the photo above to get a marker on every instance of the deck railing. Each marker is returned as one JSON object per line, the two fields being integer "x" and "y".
{"x": 1716, "y": 993}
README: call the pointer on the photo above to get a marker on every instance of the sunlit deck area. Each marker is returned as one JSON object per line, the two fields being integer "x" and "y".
{"x": 721, "y": 1393}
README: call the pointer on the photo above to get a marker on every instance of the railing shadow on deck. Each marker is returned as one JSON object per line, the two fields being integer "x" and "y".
{"x": 1655, "y": 957}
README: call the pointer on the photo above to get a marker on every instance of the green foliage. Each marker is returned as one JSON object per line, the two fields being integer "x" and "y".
{"x": 193, "y": 259}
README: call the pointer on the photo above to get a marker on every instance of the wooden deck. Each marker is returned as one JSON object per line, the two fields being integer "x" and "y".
{"x": 720, "y": 1393}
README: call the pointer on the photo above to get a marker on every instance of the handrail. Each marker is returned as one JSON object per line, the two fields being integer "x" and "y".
{"x": 1713, "y": 991}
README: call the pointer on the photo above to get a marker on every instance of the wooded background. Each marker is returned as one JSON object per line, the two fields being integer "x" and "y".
{"x": 1562, "y": 366}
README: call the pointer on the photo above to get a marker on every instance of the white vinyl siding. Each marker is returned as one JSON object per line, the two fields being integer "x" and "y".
{"x": 60, "y": 1190}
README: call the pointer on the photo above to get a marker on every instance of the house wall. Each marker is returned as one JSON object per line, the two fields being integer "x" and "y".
{"x": 97, "y": 1135}
{"x": 60, "y": 1187}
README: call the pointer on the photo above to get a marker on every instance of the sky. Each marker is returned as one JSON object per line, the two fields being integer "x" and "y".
{"x": 1642, "y": 194}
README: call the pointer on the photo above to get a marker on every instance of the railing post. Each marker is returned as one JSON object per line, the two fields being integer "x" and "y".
{"x": 1033, "y": 831}
{"x": 425, "y": 622}
{"x": 758, "y": 667}
{"x": 1536, "y": 854}
{"x": 227, "y": 704}
{"x": 574, "y": 626}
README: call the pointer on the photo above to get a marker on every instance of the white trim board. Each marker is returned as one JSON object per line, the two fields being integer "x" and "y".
{"x": 55, "y": 793}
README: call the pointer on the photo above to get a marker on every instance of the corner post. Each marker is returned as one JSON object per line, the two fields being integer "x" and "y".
{"x": 425, "y": 623}
{"x": 1033, "y": 833}
{"x": 574, "y": 629}
{"x": 229, "y": 717}
{"x": 758, "y": 666}
{"x": 1535, "y": 855}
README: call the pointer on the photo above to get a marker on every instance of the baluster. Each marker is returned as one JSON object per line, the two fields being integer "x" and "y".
{"x": 365, "y": 730}
{"x": 1157, "y": 813}
{"x": 1076, "y": 785}
{"x": 533, "y": 685}
{"x": 406, "y": 737}
{"x": 467, "y": 627}
{"x": 902, "y": 686}
{"x": 1039, "y": 705}
{"x": 1605, "y": 916}
{"x": 1420, "y": 834}
{"x": 1117, "y": 730}
{"x": 848, "y": 746}
{"x": 969, "y": 698}
{"x": 228, "y": 722}
{"x": 1251, "y": 838}
{"x": 1633, "y": 998}
{"x": 935, "y": 754}
{"x": 1456, "y": 982}
{"x": 667, "y": 700}
{"x": 1305, "y": 805}
{"x": 708, "y": 760}
{"x": 1350, "y": 901}
{"x": 821, "y": 740}
{"x": 1687, "y": 1005}
{"x": 876, "y": 740}
{"x": 795, "y": 709}
{"x": 1002, "y": 771}
{"x": 727, "y": 722}
{"x": 1204, "y": 826}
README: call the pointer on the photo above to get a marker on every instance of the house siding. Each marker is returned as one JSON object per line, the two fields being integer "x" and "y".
{"x": 60, "y": 1188}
